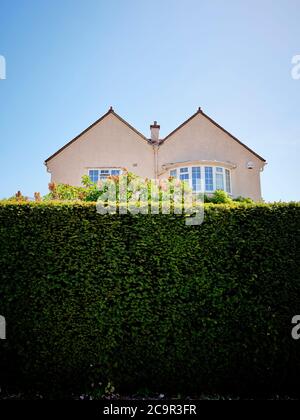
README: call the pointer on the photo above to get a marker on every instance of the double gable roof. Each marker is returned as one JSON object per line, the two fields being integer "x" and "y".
{"x": 112, "y": 112}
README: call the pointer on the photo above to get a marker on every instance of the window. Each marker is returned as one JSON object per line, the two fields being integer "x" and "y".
{"x": 94, "y": 176}
{"x": 228, "y": 181}
{"x": 115, "y": 172}
{"x": 219, "y": 179}
{"x": 104, "y": 174}
{"x": 196, "y": 178}
{"x": 204, "y": 178}
{"x": 209, "y": 181}
{"x": 184, "y": 174}
{"x": 101, "y": 174}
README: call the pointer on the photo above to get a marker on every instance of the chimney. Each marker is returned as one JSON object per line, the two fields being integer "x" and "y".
{"x": 155, "y": 132}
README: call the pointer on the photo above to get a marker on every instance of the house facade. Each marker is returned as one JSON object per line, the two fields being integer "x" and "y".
{"x": 199, "y": 151}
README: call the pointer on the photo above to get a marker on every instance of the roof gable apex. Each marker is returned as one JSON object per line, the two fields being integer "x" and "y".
{"x": 110, "y": 112}
{"x": 201, "y": 113}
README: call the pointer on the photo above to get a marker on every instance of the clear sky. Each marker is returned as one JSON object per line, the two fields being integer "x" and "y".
{"x": 67, "y": 61}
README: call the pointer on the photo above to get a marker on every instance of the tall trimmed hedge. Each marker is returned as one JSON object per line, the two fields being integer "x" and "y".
{"x": 147, "y": 302}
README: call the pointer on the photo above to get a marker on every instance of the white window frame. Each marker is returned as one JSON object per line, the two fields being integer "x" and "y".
{"x": 213, "y": 179}
{"x": 223, "y": 173}
{"x": 230, "y": 181}
{"x": 202, "y": 177}
{"x": 199, "y": 179}
{"x": 103, "y": 169}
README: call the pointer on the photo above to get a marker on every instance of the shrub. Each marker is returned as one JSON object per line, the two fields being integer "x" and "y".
{"x": 241, "y": 199}
{"x": 18, "y": 198}
{"x": 92, "y": 191}
{"x": 145, "y": 301}
{"x": 221, "y": 197}
{"x": 65, "y": 192}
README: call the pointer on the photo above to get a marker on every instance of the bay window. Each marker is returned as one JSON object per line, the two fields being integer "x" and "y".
{"x": 204, "y": 178}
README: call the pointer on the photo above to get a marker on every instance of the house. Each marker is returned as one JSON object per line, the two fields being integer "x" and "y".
{"x": 199, "y": 151}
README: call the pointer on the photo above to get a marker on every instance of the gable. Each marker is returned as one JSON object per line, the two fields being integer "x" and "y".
{"x": 205, "y": 118}
{"x": 102, "y": 120}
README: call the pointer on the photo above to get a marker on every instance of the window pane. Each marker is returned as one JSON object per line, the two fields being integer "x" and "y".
{"x": 183, "y": 170}
{"x": 104, "y": 171}
{"x": 209, "y": 184}
{"x": 219, "y": 181}
{"x": 220, "y": 170}
{"x": 173, "y": 173}
{"x": 94, "y": 175}
{"x": 196, "y": 178}
{"x": 184, "y": 177}
{"x": 115, "y": 172}
{"x": 228, "y": 183}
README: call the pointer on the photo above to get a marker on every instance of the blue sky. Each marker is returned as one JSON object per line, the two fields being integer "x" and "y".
{"x": 69, "y": 60}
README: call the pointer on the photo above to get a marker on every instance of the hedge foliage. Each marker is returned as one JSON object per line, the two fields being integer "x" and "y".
{"x": 147, "y": 302}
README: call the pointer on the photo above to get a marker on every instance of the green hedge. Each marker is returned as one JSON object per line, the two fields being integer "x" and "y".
{"x": 148, "y": 302}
